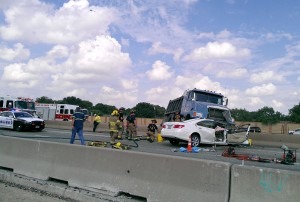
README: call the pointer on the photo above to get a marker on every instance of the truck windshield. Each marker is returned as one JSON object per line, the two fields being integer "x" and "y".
{"x": 21, "y": 104}
{"x": 206, "y": 97}
{"x": 31, "y": 105}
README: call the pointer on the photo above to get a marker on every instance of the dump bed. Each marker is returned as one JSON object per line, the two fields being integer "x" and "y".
{"x": 174, "y": 105}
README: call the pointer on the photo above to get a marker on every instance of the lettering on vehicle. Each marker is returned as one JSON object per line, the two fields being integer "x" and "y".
{"x": 6, "y": 122}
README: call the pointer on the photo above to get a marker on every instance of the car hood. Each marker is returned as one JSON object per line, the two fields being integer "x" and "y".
{"x": 28, "y": 119}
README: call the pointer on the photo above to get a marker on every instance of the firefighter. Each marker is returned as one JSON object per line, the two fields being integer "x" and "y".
{"x": 77, "y": 122}
{"x": 97, "y": 120}
{"x": 113, "y": 125}
{"x": 151, "y": 130}
{"x": 131, "y": 126}
{"x": 121, "y": 119}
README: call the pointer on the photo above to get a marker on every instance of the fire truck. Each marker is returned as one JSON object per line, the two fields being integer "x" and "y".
{"x": 59, "y": 112}
{"x": 8, "y": 103}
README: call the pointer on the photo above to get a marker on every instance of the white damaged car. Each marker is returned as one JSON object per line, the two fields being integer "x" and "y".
{"x": 201, "y": 131}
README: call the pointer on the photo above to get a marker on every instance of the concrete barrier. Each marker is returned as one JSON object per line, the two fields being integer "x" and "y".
{"x": 264, "y": 184}
{"x": 155, "y": 177}
{"x": 275, "y": 140}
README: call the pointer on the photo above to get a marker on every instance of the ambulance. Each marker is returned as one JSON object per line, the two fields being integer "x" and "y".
{"x": 8, "y": 103}
{"x": 59, "y": 112}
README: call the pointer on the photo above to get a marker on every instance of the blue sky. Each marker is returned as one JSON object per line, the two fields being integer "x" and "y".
{"x": 124, "y": 52}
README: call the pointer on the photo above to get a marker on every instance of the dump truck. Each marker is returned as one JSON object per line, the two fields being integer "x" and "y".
{"x": 198, "y": 103}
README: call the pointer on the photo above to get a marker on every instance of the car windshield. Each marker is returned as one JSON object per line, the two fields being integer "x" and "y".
{"x": 22, "y": 114}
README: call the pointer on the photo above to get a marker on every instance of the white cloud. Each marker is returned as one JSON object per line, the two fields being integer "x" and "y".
{"x": 91, "y": 63}
{"x": 58, "y": 51}
{"x": 160, "y": 71}
{"x": 17, "y": 53}
{"x": 157, "y": 48}
{"x": 266, "y": 76}
{"x": 129, "y": 84}
{"x": 217, "y": 50}
{"x": 112, "y": 96}
{"x": 38, "y": 22}
{"x": 235, "y": 73}
{"x": 256, "y": 102}
{"x": 263, "y": 90}
{"x": 197, "y": 81}
{"x": 277, "y": 104}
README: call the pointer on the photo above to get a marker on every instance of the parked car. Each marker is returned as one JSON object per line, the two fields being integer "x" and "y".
{"x": 19, "y": 121}
{"x": 295, "y": 132}
{"x": 253, "y": 129}
{"x": 201, "y": 131}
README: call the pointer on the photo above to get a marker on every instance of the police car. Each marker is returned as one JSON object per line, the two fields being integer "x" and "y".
{"x": 20, "y": 121}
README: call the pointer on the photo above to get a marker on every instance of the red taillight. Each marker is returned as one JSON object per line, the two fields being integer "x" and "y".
{"x": 163, "y": 126}
{"x": 178, "y": 126}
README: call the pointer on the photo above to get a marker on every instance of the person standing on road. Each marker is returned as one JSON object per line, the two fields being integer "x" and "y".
{"x": 131, "y": 126}
{"x": 97, "y": 120}
{"x": 77, "y": 123}
{"x": 151, "y": 130}
{"x": 113, "y": 125}
{"x": 121, "y": 119}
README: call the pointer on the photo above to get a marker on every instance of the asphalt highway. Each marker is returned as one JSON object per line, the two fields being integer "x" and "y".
{"x": 165, "y": 148}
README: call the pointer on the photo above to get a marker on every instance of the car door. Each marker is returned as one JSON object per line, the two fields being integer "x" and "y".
{"x": 238, "y": 137}
{"x": 7, "y": 120}
{"x": 206, "y": 130}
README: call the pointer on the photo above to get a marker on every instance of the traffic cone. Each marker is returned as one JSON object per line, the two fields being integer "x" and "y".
{"x": 189, "y": 147}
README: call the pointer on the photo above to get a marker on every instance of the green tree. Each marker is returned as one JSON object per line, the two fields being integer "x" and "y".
{"x": 147, "y": 110}
{"x": 240, "y": 114}
{"x": 267, "y": 115}
{"x": 103, "y": 109}
{"x": 44, "y": 99}
{"x": 294, "y": 114}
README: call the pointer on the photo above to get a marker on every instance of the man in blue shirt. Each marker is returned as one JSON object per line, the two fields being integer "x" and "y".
{"x": 77, "y": 123}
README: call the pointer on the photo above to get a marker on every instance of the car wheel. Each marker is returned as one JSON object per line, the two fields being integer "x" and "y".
{"x": 19, "y": 127}
{"x": 196, "y": 139}
{"x": 174, "y": 142}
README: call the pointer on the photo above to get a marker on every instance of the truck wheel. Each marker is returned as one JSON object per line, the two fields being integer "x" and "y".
{"x": 174, "y": 142}
{"x": 19, "y": 127}
{"x": 196, "y": 140}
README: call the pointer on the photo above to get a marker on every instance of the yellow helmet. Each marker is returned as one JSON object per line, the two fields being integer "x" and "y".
{"x": 115, "y": 113}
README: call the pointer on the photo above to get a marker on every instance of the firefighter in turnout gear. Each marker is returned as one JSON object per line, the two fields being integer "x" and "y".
{"x": 131, "y": 126}
{"x": 151, "y": 130}
{"x": 121, "y": 119}
{"x": 113, "y": 125}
